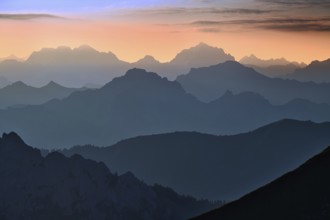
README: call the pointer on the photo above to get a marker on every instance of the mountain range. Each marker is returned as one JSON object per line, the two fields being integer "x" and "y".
{"x": 141, "y": 103}
{"x": 317, "y": 71}
{"x": 214, "y": 167}
{"x": 84, "y": 65}
{"x": 57, "y": 187}
{"x": 19, "y": 94}
{"x": 209, "y": 83}
{"x": 300, "y": 194}
{"x": 255, "y": 61}
{"x": 79, "y": 66}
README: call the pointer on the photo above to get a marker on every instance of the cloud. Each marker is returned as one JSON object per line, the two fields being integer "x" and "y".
{"x": 321, "y": 24}
{"x": 299, "y": 3}
{"x": 199, "y": 10}
{"x": 27, "y": 16}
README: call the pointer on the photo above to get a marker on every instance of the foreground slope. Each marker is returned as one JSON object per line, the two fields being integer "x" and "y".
{"x": 56, "y": 187}
{"x": 214, "y": 167}
{"x": 301, "y": 194}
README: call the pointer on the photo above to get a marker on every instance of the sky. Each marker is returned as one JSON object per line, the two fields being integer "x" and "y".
{"x": 298, "y": 30}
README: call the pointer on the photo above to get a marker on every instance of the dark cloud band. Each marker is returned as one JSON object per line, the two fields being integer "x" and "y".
{"x": 299, "y": 3}
{"x": 26, "y": 16}
{"x": 280, "y": 24}
{"x": 201, "y": 10}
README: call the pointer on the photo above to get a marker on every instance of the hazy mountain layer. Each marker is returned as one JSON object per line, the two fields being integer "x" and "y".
{"x": 19, "y": 94}
{"x": 84, "y": 65}
{"x": 214, "y": 167}
{"x": 316, "y": 72}
{"x": 255, "y": 61}
{"x": 210, "y": 83}
{"x": 141, "y": 103}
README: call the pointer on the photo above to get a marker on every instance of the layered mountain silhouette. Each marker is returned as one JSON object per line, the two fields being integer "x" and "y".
{"x": 255, "y": 61}
{"x": 20, "y": 94}
{"x": 209, "y": 83}
{"x": 276, "y": 71}
{"x": 301, "y": 194}
{"x": 141, "y": 103}
{"x": 317, "y": 71}
{"x": 79, "y": 66}
{"x": 11, "y": 57}
{"x": 70, "y": 67}
{"x": 200, "y": 55}
{"x": 272, "y": 67}
{"x": 57, "y": 187}
{"x": 214, "y": 167}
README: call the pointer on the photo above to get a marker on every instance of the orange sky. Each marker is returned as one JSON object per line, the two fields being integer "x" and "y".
{"x": 132, "y": 40}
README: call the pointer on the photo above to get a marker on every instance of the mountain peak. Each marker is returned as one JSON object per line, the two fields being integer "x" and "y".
{"x": 147, "y": 60}
{"x": 12, "y": 139}
{"x": 201, "y": 55}
{"x": 85, "y": 47}
{"x": 18, "y": 84}
{"x": 52, "y": 84}
{"x": 202, "y": 44}
{"x": 137, "y": 73}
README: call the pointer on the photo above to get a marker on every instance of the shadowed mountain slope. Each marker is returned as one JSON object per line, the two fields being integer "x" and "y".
{"x": 57, "y": 187}
{"x": 214, "y": 167}
{"x": 301, "y": 194}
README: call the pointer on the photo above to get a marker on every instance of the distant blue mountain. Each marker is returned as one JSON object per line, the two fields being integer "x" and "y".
{"x": 84, "y": 65}
{"x": 317, "y": 71}
{"x": 20, "y": 94}
{"x": 209, "y": 83}
{"x": 142, "y": 103}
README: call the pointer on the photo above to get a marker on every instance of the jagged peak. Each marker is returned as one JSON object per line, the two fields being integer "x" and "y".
{"x": 12, "y": 138}
{"x": 147, "y": 59}
{"x": 85, "y": 47}
{"x": 18, "y": 84}
{"x": 140, "y": 73}
{"x": 52, "y": 84}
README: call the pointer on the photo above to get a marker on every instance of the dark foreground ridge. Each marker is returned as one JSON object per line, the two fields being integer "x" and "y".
{"x": 57, "y": 187}
{"x": 301, "y": 194}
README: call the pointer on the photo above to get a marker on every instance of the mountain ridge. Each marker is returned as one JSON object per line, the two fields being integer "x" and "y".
{"x": 58, "y": 187}
{"x": 264, "y": 154}
{"x": 299, "y": 194}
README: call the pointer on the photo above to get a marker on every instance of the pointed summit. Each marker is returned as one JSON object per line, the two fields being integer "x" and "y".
{"x": 201, "y": 55}
{"x": 137, "y": 73}
{"x": 146, "y": 61}
{"x": 11, "y": 139}
{"x": 52, "y": 84}
{"x": 18, "y": 85}
{"x": 84, "y": 47}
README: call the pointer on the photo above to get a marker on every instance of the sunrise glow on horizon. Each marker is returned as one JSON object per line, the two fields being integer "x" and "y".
{"x": 296, "y": 30}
